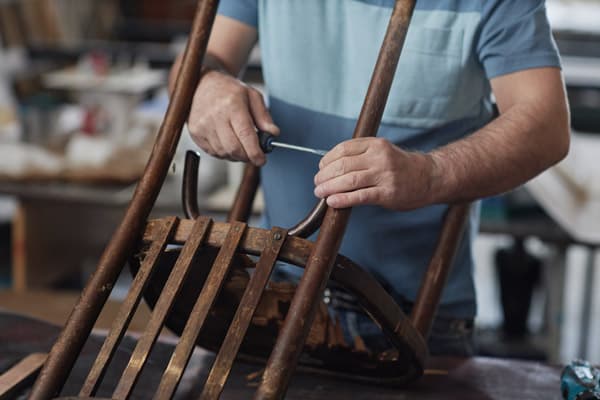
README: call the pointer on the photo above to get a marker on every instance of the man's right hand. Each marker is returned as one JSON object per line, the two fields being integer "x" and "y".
{"x": 224, "y": 117}
{"x": 225, "y": 113}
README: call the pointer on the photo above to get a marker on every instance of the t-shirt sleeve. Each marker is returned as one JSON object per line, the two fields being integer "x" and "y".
{"x": 245, "y": 11}
{"x": 515, "y": 35}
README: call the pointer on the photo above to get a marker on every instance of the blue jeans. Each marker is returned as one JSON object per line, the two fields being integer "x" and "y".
{"x": 449, "y": 336}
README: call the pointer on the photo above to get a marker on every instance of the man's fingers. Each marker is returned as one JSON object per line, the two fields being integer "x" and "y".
{"x": 345, "y": 183}
{"x": 360, "y": 197}
{"x": 244, "y": 129}
{"x": 202, "y": 143}
{"x": 215, "y": 145}
{"x": 200, "y": 134}
{"x": 260, "y": 113}
{"x": 341, "y": 166}
{"x": 348, "y": 148}
{"x": 233, "y": 147}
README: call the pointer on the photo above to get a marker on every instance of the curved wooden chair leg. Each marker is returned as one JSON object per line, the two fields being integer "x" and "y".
{"x": 436, "y": 275}
{"x": 311, "y": 223}
{"x": 242, "y": 204}
{"x": 244, "y": 198}
{"x": 189, "y": 186}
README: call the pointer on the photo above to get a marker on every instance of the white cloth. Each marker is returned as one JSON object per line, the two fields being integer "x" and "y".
{"x": 570, "y": 191}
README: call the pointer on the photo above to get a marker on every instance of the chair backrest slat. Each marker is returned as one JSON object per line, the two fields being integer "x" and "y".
{"x": 243, "y": 316}
{"x": 128, "y": 308}
{"x": 206, "y": 299}
{"x": 162, "y": 308}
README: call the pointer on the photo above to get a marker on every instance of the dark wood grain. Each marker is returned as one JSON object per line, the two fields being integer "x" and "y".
{"x": 162, "y": 308}
{"x": 241, "y": 321}
{"x": 212, "y": 286}
{"x": 127, "y": 309}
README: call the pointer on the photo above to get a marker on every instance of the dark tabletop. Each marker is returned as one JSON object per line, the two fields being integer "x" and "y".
{"x": 465, "y": 379}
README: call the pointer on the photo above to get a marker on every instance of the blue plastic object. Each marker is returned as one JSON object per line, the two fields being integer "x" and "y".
{"x": 580, "y": 381}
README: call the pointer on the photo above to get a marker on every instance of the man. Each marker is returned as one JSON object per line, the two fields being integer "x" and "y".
{"x": 437, "y": 143}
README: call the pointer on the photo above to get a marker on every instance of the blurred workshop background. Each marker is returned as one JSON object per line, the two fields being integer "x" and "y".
{"x": 83, "y": 90}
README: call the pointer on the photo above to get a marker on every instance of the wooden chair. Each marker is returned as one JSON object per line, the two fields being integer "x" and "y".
{"x": 212, "y": 250}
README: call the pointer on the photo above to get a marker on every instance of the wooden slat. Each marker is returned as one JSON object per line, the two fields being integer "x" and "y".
{"x": 162, "y": 308}
{"x": 243, "y": 316}
{"x": 20, "y": 375}
{"x": 128, "y": 308}
{"x": 212, "y": 287}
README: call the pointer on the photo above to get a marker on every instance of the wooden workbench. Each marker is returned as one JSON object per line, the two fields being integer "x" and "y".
{"x": 465, "y": 379}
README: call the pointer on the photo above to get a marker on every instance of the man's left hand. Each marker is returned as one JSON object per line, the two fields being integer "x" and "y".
{"x": 373, "y": 171}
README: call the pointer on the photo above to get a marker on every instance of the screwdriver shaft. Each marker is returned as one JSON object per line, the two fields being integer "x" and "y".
{"x": 299, "y": 148}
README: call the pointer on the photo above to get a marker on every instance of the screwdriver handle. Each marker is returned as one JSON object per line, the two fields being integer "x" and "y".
{"x": 265, "y": 140}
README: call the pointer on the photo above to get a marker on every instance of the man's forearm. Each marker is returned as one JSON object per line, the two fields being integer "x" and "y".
{"x": 518, "y": 145}
{"x": 531, "y": 134}
{"x": 228, "y": 48}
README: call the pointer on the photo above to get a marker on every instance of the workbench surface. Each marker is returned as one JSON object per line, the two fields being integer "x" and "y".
{"x": 465, "y": 379}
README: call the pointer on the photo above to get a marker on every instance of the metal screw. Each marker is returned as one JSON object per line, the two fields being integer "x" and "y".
{"x": 277, "y": 236}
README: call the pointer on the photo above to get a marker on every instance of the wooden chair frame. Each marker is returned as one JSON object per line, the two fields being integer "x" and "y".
{"x": 320, "y": 259}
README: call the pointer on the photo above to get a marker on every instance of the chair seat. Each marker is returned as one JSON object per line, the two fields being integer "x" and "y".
{"x": 325, "y": 350}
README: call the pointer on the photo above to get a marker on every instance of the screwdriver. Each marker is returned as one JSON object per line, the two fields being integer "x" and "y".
{"x": 267, "y": 143}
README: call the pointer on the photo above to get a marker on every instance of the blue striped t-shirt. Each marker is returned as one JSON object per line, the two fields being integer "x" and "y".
{"x": 318, "y": 56}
